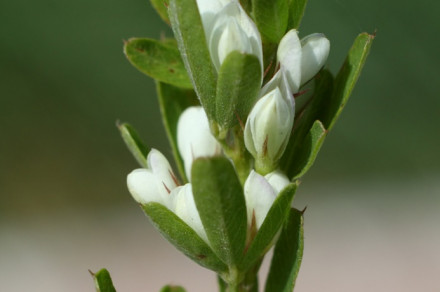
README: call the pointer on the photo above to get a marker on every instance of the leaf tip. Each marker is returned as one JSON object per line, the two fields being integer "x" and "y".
{"x": 91, "y": 273}
{"x": 303, "y": 211}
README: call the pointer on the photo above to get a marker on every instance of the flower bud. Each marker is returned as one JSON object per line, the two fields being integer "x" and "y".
{"x": 232, "y": 30}
{"x": 183, "y": 205}
{"x": 260, "y": 193}
{"x": 152, "y": 184}
{"x": 289, "y": 56}
{"x": 268, "y": 129}
{"x": 194, "y": 137}
{"x": 315, "y": 50}
{"x": 208, "y": 10}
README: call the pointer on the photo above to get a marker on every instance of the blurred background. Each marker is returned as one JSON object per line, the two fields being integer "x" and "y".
{"x": 372, "y": 222}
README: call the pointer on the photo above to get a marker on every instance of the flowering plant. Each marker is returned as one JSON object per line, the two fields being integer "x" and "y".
{"x": 246, "y": 104}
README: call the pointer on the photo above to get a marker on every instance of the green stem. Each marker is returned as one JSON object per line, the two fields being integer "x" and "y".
{"x": 232, "y": 142}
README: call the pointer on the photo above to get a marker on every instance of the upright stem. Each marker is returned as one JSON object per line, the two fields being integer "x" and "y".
{"x": 233, "y": 145}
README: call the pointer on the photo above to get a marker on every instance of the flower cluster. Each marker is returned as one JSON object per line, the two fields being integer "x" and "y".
{"x": 228, "y": 28}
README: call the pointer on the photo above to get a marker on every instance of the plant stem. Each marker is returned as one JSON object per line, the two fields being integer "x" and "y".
{"x": 234, "y": 148}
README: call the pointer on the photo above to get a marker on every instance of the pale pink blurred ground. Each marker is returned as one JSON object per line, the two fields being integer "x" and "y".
{"x": 386, "y": 238}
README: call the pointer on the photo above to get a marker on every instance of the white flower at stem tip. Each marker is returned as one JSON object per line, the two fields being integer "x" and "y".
{"x": 194, "y": 138}
{"x": 260, "y": 192}
{"x": 228, "y": 28}
{"x": 155, "y": 183}
{"x": 183, "y": 205}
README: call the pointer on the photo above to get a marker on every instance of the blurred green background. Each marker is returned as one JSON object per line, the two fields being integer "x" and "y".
{"x": 372, "y": 196}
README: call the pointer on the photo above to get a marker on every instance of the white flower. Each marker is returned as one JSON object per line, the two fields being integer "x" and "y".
{"x": 194, "y": 137}
{"x": 269, "y": 125}
{"x": 183, "y": 205}
{"x": 228, "y": 28}
{"x": 301, "y": 60}
{"x": 315, "y": 50}
{"x": 289, "y": 56}
{"x": 278, "y": 180}
{"x": 155, "y": 183}
{"x": 260, "y": 193}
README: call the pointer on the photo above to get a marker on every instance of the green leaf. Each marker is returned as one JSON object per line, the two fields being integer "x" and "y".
{"x": 222, "y": 285}
{"x": 238, "y": 86}
{"x": 190, "y": 36}
{"x": 271, "y": 225}
{"x": 296, "y": 13}
{"x": 305, "y": 142}
{"x": 173, "y": 101}
{"x": 169, "y": 288}
{"x": 287, "y": 255}
{"x": 158, "y": 59}
{"x": 161, "y": 8}
{"x": 271, "y": 18}
{"x": 220, "y": 201}
{"x": 307, "y": 151}
{"x": 134, "y": 143}
{"x": 347, "y": 78}
{"x": 103, "y": 281}
{"x": 183, "y": 237}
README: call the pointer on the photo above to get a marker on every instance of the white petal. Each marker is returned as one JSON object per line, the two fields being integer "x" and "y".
{"x": 278, "y": 180}
{"x": 194, "y": 137}
{"x": 161, "y": 168}
{"x": 183, "y": 205}
{"x": 268, "y": 126}
{"x": 142, "y": 184}
{"x": 315, "y": 50}
{"x": 232, "y": 39}
{"x": 234, "y": 30}
{"x": 289, "y": 56}
{"x": 259, "y": 196}
{"x": 208, "y": 10}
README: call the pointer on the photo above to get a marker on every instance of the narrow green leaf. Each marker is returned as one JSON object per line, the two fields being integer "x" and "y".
{"x": 220, "y": 201}
{"x": 287, "y": 255}
{"x": 271, "y": 18}
{"x": 271, "y": 225}
{"x": 103, "y": 281}
{"x": 134, "y": 143}
{"x": 158, "y": 59}
{"x": 347, "y": 77}
{"x": 183, "y": 237}
{"x": 222, "y": 285}
{"x": 238, "y": 86}
{"x": 307, "y": 151}
{"x": 190, "y": 36}
{"x": 169, "y": 288}
{"x": 173, "y": 101}
{"x": 161, "y": 8}
{"x": 304, "y": 143}
{"x": 296, "y": 13}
